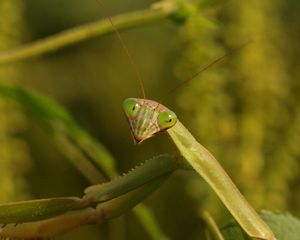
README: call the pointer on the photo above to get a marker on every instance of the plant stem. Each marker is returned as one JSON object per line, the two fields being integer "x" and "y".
{"x": 147, "y": 219}
{"x": 212, "y": 226}
{"x": 84, "y": 32}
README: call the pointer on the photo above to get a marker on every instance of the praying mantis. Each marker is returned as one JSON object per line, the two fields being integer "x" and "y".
{"x": 49, "y": 217}
{"x": 147, "y": 118}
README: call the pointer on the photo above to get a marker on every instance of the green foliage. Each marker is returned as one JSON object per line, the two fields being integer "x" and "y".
{"x": 46, "y": 111}
{"x": 60, "y": 123}
{"x": 242, "y": 110}
{"x": 12, "y": 183}
{"x": 245, "y": 111}
{"x": 263, "y": 99}
{"x": 285, "y": 227}
{"x": 185, "y": 10}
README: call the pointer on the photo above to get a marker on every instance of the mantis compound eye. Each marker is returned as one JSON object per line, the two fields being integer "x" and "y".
{"x": 131, "y": 107}
{"x": 166, "y": 119}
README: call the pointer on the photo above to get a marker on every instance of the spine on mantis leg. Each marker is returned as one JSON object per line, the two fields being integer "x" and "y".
{"x": 47, "y": 218}
{"x": 213, "y": 173}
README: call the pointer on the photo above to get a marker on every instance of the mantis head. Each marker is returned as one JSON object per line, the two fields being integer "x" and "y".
{"x": 147, "y": 118}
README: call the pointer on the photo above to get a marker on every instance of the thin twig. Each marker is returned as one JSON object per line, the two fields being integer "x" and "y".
{"x": 212, "y": 226}
{"x": 84, "y": 32}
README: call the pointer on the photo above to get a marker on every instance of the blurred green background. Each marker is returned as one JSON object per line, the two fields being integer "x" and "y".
{"x": 245, "y": 110}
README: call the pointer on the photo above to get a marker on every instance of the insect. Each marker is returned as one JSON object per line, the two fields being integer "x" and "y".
{"x": 146, "y": 119}
{"x": 161, "y": 119}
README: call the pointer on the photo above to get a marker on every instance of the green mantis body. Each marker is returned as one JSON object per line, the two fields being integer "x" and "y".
{"x": 49, "y": 217}
{"x": 147, "y": 118}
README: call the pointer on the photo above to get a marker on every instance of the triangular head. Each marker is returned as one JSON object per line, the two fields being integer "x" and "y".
{"x": 147, "y": 118}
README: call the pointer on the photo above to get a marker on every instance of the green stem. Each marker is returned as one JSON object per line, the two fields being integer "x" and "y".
{"x": 146, "y": 217}
{"x": 84, "y": 32}
{"x": 212, "y": 226}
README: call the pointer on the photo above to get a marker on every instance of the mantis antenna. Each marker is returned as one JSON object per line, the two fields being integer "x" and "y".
{"x": 211, "y": 64}
{"x": 135, "y": 67}
{"x": 132, "y": 63}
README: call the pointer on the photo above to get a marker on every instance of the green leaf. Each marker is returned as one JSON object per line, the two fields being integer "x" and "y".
{"x": 284, "y": 226}
{"x": 60, "y": 123}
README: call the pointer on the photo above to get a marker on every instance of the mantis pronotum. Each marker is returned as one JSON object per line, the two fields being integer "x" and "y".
{"x": 146, "y": 118}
